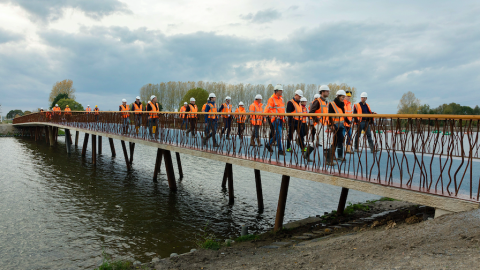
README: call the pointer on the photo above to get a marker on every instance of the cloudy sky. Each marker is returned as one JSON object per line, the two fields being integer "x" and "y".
{"x": 110, "y": 48}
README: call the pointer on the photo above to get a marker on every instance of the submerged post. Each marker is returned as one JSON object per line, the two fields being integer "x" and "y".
{"x": 77, "y": 133}
{"x": 158, "y": 163}
{"x": 258, "y": 184}
{"x": 50, "y": 136}
{"x": 225, "y": 176}
{"x": 231, "y": 197}
{"x": 94, "y": 149}
{"x": 170, "y": 172}
{"x": 67, "y": 142}
{"x": 179, "y": 164}
{"x": 132, "y": 149}
{"x": 343, "y": 201}
{"x": 282, "y": 202}
{"x": 112, "y": 147}
{"x": 125, "y": 154}
{"x": 85, "y": 144}
{"x": 99, "y": 145}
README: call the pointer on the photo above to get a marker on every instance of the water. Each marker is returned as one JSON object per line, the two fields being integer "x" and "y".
{"x": 59, "y": 212}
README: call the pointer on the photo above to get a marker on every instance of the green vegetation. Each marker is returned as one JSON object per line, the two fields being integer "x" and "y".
{"x": 61, "y": 132}
{"x": 248, "y": 237}
{"x": 58, "y": 98}
{"x": 207, "y": 240}
{"x": 199, "y": 94}
{"x": 74, "y": 106}
{"x": 11, "y": 114}
{"x": 109, "y": 264}
{"x": 353, "y": 207}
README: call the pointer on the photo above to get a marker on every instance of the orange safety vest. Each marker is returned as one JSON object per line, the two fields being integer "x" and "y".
{"x": 254, "y": 119}
{"x": 97, "y": 111}
{"x": 57, "y": 110}
{"x": 68, "y": 111}
{"x": 125, "y": 108}
{"x": 298, "y": 109}
{"x": 337, "y": 120}
{"x": 137, "y": 108}
{"x": 322, "y": 109}
{"x": 226, "y": 109}
{"x": 275, "y": 105}
{"x": 241, "y": 118}
{"x": 304, "y": 110}
{"x": 359, "y": 110}
{"x": 88, "y": 110}
{"x": 203, "y": 108}
{"x": 349, "y": 110}
{"x": 213, "y": 109}
{"x": 154, "y": 109}
{"x": 49, "y": 115}
{"x": 182, "y": 110}
{"x": 193, "y": 109}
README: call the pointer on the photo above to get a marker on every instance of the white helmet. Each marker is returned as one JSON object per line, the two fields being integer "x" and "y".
{"x": 56, "y": 105}
{"x": 316, "y": 96}
{"x": 124, "y": 100}
{"x": 323, "y": 88}
{"x": 137, "y": 97}
{"x": 152, "y": 97}
{"x": 341, "y": 93}
{"x": 192, "y": 99}
{"x": 278, "y": 87}
{"x": 211, "y": 95}
{"x": 41, "y": 108}
{"x": 228, "y": 98}
{"x": 185, "y": 103}
{"x": 299, "y": 92}
{"x": 241, "y": 104}
{"x": 303, "y": 99}
{"x": 88, "y": 105}
{"x": 363, "y": 94}
{"x": 258, "y": 97}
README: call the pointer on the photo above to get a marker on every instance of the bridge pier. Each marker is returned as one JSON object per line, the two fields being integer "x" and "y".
{"x": 125, "y": 154}
{"x": 77, "y": 133}
{"x": 343, "y": 201}
{"x": 68, "y": 143}
{"x": 47, "y": 138}
{"x": 112, "y": 147}
{"x": 99, "y": 145}
{"x": 258, "y": 184}
{"x": 85, "y": 144}
{"x": 158, "y": 162}
{"x": 132, "y": 149}
{"x": 282, "y": 202}
{"x": 94, "y": 149}
{"x": 170, "y": 172}
{"x": 179, "y": 164}
{"x": 50, "y": 136}
{"x": 225, "y": 176}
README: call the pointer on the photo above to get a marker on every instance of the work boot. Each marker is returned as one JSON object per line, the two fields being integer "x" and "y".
{"x": 281, "y": 153}
{"x": 349, "y": 150}
{"x": 340, "y": 154}
{"x": 269, "y": 148}
{"x": 327, "y": 154}
{"x": 215, "y": 144}
{"x": 259, "y": 142}
{"x": 204, "y": 140}
{"x": 372, "y": 147}
{"x": 228, "y": 138}
{"x": 252, "y": 142}
{"x": 136, "y": 130}
{"x": 306, "y": 154}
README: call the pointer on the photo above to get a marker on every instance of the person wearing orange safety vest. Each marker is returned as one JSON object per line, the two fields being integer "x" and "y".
{"x": 227, "y": 119}
{"x": 125, "y": 113}
{"x": 364, "y": 123}
{"x": 307, "y": 149}
{"x": 88, "y": 109}
{"x": 294, "y": 122}
{"x": 256, "y": 121}
{"x": 153, "y": 116}
{"x": 97, "y": 113}
{"x": 137, "y": 107}
{"x": 311, "y": 122}
{"x": 56, "y": 110}
{"x": 184, "y": 116}
{"x": 212, "y": 121}
{"x": 337, "y": 124}
{"x": 320, "y": 105}
{"x": 68, "y": 111}
{"x": 348, "y": 127}
{"x": 205, "y": 117}
{"x": 241, "y": 119}
{"x": 276, "y": 105}
{"x": 192, "y": 118}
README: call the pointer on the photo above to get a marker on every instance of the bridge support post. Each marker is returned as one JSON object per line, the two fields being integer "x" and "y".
{"x": 77, "y": 133}
{"x": 99, "y": 145}
{"x": 56, "y": 134}
{"x": 50, "y": 136}
{"x": 170, "y": 172}
{"x": 68, "y": 143}
{"x": 125, "y": 154}
{"x": 179, "y": 164}
{"x": 47, "y": 139}
{"x": 94, "y": 149}
{"x": 69, "y": 137}
{"x": 158, "y": 163}
{"x": 231, "y": 197}
{"x": 132, "y": 149}
{"x": 282, "y": 202}
{"x": 112, "y": 147}
{"x": 85, "y": 144}
{"x": 343, "y": 201}
{"x": 258, "y": 183}
{"x": 225, "y": 176}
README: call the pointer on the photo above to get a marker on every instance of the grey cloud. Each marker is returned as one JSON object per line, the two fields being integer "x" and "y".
{"x": 7, "y": 36}
{"x": 262, "y": 16}
{"x": 49, "y": 10}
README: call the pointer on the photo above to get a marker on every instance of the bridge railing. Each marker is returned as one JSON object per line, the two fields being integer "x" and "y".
{"x": 430, "y": 153}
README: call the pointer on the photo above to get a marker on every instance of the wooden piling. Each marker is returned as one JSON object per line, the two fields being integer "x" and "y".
{"x": 342, "y": 201}
{"x": 258, "y": 183}
{"x": 77, "y": 133}
{"x": 112, "y": 147}
{"x": 125, "y": 154}
{"x": 47, "y": 136}
{"x": 94, "y": 149}
{"x": 170, "y": 172}
{"x": 69, "y": 137}
{"x": 231, "y": 197}
{"x": 132, "y": 150}
{"x": 85, "y": 144}
{"x": 50, "y": 136}
{"x": 68, "y": 143}
{"x": 225, "y": 176}
{"x": 282, "y": 202}
{"x": 158, "y": 163}
{"x": 99, "y": 145}
{"x": 179, "y": 164}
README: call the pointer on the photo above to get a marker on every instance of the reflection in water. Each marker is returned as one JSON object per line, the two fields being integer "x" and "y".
{"x": 58, "y": 211}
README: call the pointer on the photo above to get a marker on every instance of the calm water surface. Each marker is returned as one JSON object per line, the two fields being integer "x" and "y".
{"x": 57, "y": 211}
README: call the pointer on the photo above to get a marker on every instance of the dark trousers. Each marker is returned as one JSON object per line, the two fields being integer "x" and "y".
{"x": 212, "y": 129}
{"x": 193, "y": 124}
{"x": 256, "y": 131}
{"x": 295, "y": 125}
{"x": 227, "y": 125}
{"x": 241, "y": 128}
{"x": 184, "y": 122}
{"x": 364, "y": 125}
{"x": 338, "y": 137}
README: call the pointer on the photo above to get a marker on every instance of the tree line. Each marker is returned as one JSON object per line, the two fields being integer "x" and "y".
{"x": 409, "y": 104}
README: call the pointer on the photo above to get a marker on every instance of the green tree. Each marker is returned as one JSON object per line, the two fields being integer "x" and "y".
{"x": 57, "y": 98}
{"x": 425, "y": 109}
{"x": 11, "y": 114}
{"x": 199, "y": 94}
{"x": 74, "y": 106}
{"x": 408, "y": 104}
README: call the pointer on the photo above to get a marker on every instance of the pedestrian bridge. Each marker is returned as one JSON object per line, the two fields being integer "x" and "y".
{"x": 425, "y": 159}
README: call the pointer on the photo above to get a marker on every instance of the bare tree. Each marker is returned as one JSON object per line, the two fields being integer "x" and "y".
{"x": 63, "y": 87}
{"x": 408, "y": 104}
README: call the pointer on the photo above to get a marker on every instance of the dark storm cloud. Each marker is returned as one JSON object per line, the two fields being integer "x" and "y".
{"x": 262, "y": 16}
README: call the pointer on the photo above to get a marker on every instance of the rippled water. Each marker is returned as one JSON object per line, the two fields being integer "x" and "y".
{"x": 57, "y": 211}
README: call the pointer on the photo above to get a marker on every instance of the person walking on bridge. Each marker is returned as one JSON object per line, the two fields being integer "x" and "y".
{"x": 184, "y": 116}
{"x": 348, "y": 127}
{"x": 68, "y": 113}
{"x": 137, "y": 107}
{"x": 205, "y": 119}
{"x": 364, "y": 123}
{"x": 97, "y": 113}
{"x": 124, "y": 108}
{"x": 311, "y": 120}
{"x": 88, "y": 109}
{"x": 153, "y": 116}
{"x": 338, "y": 124}
{"x": 241, "y": 119}
{"x": 227, "y": 119}
{"x": 320, "y": 105}
{"x": 256, "y": 120}
{"x": 57, "y": 110}
{"x": 294, "y": 122}
{"x": 192, "y": 117}
{"x": 212, "y": 121}
{"x": 276, "y": 105}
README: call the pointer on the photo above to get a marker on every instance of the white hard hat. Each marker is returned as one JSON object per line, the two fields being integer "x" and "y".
{"x": 303, "y": 99}
{"x": 192, "y": 99}
{"x": 258, "y": 97}
{"x": 228, "y": 98}
{"x": 323, "y": 88}
{"x": 299, "y": 92}
{"x": 56, "y": 105}
{"x": 278, "y": 87}
{"x": 240, "y": 104}
{"x": 363, "y": 94}
{"x": 185, "y": 103}
{"x": 316, "y": 96}
{"x": 341, "y": 93}
{"x": 211, "y": 95}
{"x": 88, "y": 105}
{"x": 124, "y": 100}
{"x": 41, "y": 108}
{"x": 152, "y": 97}
{"x": 137, "y": 97}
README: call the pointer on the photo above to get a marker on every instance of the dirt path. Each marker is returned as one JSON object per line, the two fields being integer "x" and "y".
{"x": 449, "y": 242}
